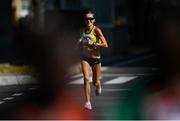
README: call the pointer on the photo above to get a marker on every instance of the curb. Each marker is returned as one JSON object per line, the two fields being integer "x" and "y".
{"x": 7, "y": 80}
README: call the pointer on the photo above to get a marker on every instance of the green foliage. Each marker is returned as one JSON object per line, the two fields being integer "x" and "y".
{"x": 6, "y": 69}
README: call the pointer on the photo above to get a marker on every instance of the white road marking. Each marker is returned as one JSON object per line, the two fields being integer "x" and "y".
{"x": 1, "y": 102}
{"x": 17, "y": 94}
{"x": 80, "y": 75}
{"x": 104, "y": 68}
{"x": 8, "y": 98}
{"x": 79, "y": 81}
{"x": 77, "y": 75}
{"x": 120, "y": 80}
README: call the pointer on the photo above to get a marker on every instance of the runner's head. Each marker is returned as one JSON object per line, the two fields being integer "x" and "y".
{"x": 89, "y": 18}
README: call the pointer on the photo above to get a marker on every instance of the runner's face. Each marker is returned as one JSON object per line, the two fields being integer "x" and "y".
{"x": 89, "y": 20}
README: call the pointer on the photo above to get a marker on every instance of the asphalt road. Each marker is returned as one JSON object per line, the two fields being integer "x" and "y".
{"x": 117, "y": 80}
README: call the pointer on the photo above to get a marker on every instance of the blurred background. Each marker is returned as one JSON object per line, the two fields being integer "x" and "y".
{"x": 40, "y": 74}
{"x": 124, "y": 23}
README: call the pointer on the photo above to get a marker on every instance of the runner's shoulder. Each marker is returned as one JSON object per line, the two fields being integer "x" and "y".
{"x": 97, "y": 30}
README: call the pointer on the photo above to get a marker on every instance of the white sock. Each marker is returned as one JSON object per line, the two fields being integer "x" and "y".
{"x": 88, "y": 102}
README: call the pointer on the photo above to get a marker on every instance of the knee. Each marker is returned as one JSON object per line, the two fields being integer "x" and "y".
{"x": 86, "y": 80}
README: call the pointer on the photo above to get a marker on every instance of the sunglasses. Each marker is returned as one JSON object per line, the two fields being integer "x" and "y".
{"x": 89, "y": 19}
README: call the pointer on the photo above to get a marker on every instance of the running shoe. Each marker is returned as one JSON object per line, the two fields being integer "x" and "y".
{"x": 88, "y": 106}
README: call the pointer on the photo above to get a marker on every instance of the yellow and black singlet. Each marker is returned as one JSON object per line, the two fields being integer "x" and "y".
{"x": 91, "y": 35}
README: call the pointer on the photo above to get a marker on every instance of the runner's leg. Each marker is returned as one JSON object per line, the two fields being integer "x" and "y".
{"x": 96, "y": 75}
{"x": 86, "y": 74}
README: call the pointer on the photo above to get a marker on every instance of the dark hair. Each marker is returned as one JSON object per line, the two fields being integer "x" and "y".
{"x": 88, "y": 11}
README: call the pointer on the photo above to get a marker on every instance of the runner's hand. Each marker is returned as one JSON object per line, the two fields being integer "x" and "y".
{"x": 90, "y": 42}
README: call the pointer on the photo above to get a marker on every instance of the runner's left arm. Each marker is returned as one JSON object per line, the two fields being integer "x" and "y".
{"x": 103, "y": 43}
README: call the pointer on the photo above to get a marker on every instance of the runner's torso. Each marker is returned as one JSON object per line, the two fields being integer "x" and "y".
{"x": 88, "y": 51}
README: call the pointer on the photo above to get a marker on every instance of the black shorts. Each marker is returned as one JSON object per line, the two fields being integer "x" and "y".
{"x": 92, "y": 61}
